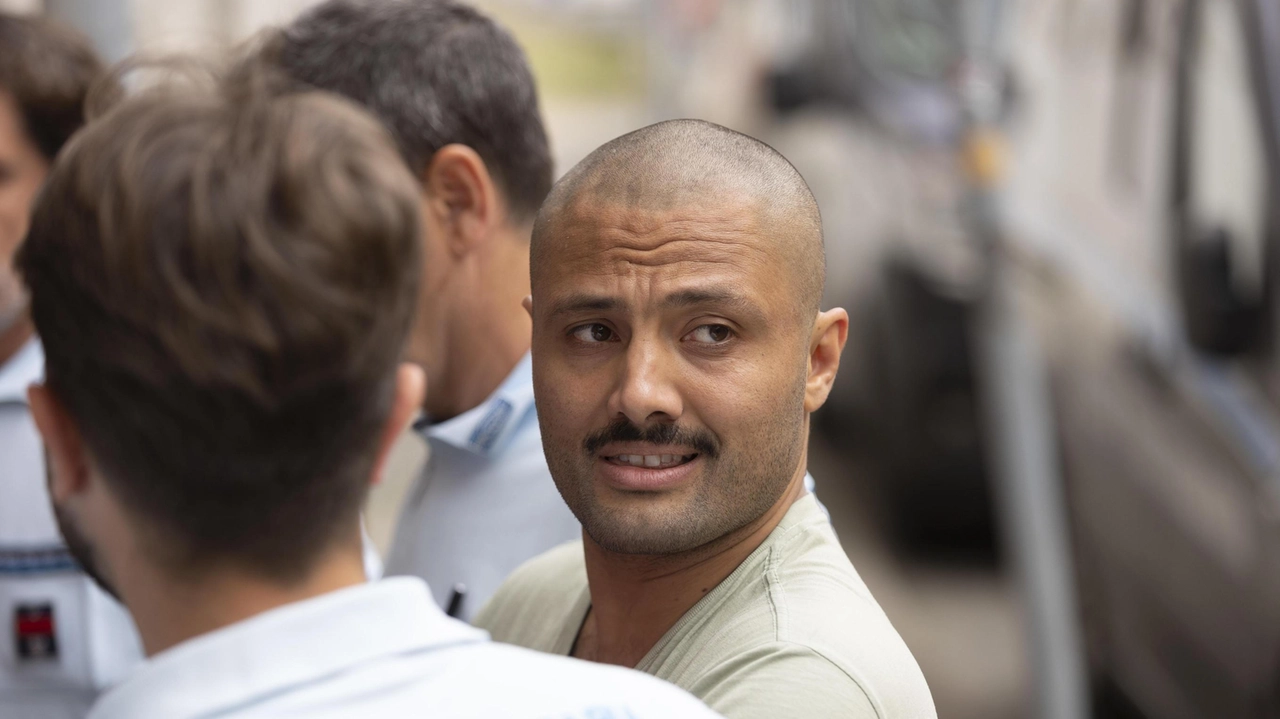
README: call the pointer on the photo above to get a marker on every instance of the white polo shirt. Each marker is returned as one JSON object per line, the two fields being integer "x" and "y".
{"x": 485, "y": 502}
{"x": 62, "y": 640}
{"x": 380, "y": 650}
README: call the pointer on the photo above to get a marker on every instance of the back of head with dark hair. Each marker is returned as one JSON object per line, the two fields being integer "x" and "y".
{"x": 220, "y": 281}
{"x": 48, "y": 70}
{"x": 435, "y": 72}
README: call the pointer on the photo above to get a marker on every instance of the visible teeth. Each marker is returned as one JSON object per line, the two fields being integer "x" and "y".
{"x": 653, "y": 460}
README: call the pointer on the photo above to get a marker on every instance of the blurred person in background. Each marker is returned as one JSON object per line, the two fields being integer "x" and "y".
{"x": 62, "y": 640}
{"x": 224, "y": 280}
{"x": 679, "y": 348}
{"x": 456, "y": 93}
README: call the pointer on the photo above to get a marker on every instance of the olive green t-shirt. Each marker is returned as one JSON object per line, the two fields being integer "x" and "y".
{"x": 792, "y": 632}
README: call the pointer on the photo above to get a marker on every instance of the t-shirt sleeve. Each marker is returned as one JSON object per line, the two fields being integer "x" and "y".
{"x": 783, "y": 681}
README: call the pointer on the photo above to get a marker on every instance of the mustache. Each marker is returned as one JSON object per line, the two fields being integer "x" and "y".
{"x": 624, "y": 430}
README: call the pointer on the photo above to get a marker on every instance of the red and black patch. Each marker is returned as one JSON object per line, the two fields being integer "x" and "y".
{"x": 34, "y": 631}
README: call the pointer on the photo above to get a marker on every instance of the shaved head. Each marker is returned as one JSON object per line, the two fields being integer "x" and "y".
{"x": 678, "y": 341}
{"x": 682, "y": 164}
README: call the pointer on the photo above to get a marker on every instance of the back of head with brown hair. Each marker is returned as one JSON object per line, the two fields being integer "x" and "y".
{"x": 47, "y": 70}
{"x": 223, "y": 280}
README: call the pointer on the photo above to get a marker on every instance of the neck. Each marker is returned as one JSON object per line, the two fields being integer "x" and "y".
{"x": 13, "y": 337}
{"x": 168, "y": 612}
{"x": 488, "y": 339}
{"x": 635, "y": 600}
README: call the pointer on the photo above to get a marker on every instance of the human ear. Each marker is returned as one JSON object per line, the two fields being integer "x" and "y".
{"x": 64, "y": 447}
{"x": 410, "y": 391}
{"x": 826, "y": 343}
{"x": 461, "y": 197}
{"x": 527, "y": 304}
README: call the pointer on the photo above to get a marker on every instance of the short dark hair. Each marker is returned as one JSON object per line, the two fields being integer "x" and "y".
{"x": 48, "y": 70}
{"x": 219, "y": 278}
{"x": 435, "y": 72}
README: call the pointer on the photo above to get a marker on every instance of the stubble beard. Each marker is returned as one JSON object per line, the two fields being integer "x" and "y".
{"x": 735, "y": 489}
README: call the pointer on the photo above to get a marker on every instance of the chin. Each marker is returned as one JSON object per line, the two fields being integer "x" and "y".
{"x": 619, "y": 541}
{"x": 643, "y": 530}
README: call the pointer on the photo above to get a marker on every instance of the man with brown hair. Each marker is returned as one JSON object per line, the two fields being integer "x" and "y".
{"x": 224, "y": 280}
{"x": 61, "y": 639}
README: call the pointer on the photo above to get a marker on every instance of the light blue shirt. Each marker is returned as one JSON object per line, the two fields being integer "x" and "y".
{"x": 485, "y": 502}
{"x": 94, "y": 640}
{"x": 379, "y": 650}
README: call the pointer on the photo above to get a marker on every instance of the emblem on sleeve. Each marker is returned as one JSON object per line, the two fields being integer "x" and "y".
{"x": 34, "y": 632}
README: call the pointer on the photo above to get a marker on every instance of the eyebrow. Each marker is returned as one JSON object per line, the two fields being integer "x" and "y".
{"x": 743, "y": 308}
{"x": 712, "y": 296}
{"x": 585, "y": 303}
{"x": 722, "y": 297}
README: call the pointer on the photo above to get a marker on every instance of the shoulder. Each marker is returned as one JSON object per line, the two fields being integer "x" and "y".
{"x": 642, "y": 695}
{"x": 548, "y": 584}
{"x": 774, "y": 679}
{"x": 828, "y": 624}
{"x": 478, "y": 680}
{"x": 536, "y": 684}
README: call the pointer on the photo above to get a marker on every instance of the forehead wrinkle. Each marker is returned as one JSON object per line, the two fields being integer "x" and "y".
{"x": 645, "y": 240}
{"x": 743, "y": 212}
{"x": 601, "y": 236}
{"x": 679, "y": 251}
{"x": 636, "y": 290}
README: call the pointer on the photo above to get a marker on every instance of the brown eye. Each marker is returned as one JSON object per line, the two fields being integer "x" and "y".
{"x": 711, "y": 334}
{"x": 594, "y": 332}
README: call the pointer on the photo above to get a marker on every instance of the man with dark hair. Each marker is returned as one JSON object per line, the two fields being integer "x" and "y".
{"x": 679, "y": 349}
{"x": 224, "y": 280}
{"x": 61, "y": 639}
{"x": 456, "y": 93}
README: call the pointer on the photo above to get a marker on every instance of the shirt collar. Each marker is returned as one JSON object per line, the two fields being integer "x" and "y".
{"x": 484, "y": 429}
{"x": 287, "y": 647}
{"x": 21, "y": 371}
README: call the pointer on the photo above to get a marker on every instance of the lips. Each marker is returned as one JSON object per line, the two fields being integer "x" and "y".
{"x": 641, "y": 467}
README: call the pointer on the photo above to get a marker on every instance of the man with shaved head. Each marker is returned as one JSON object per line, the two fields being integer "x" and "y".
{"x": 678, "y": 350}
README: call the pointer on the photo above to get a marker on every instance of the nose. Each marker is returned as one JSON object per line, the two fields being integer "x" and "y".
{"x": 646, "y": 391}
